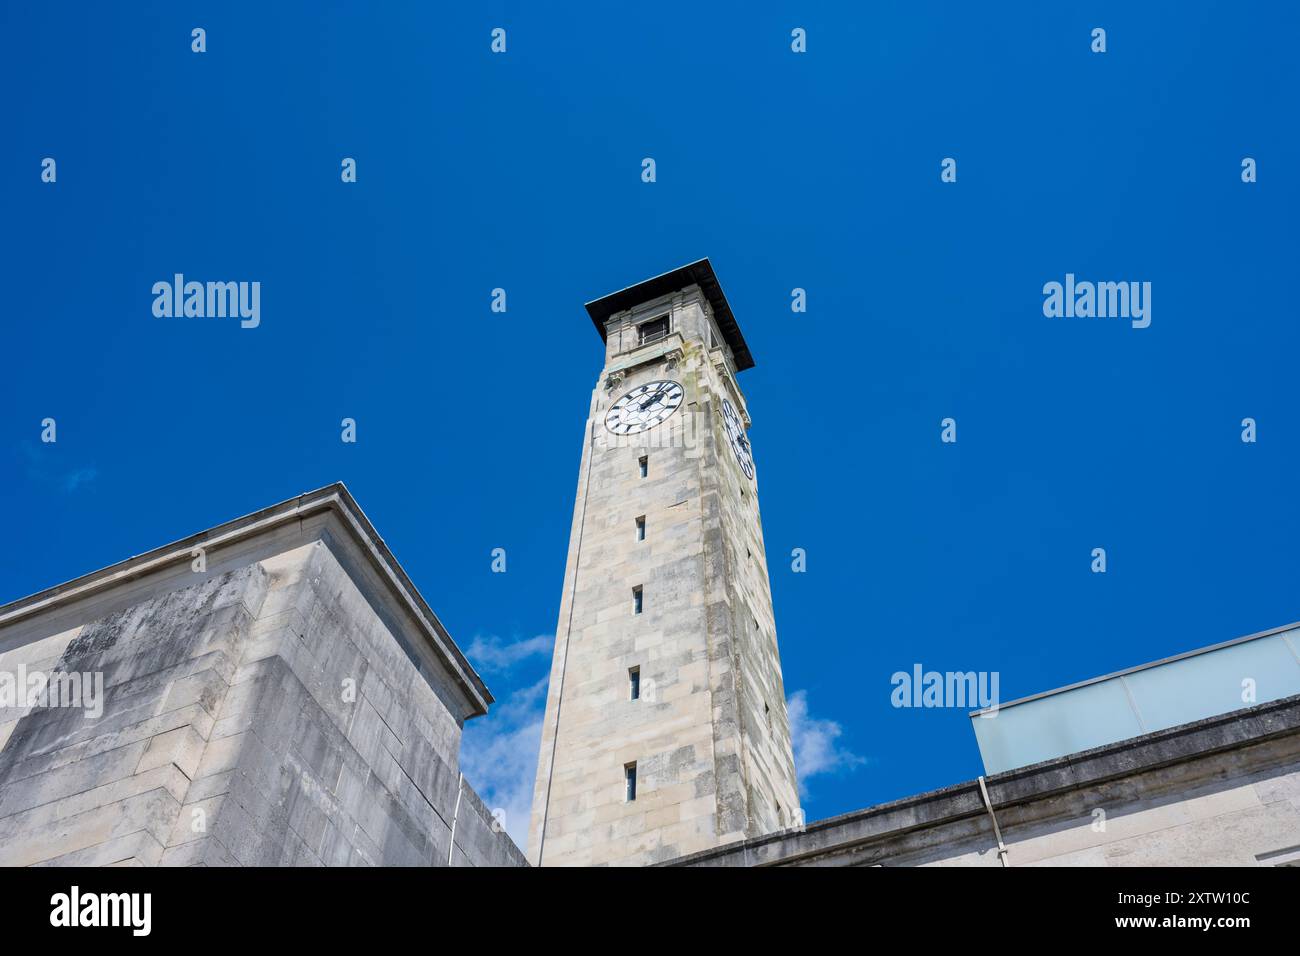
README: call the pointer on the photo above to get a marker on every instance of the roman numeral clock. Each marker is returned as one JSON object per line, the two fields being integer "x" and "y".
{"x": 653, "y": 403}
{"x": 737, "y": 438}
{"x": 644, "y": 407}
{"x": 665, "y": 729}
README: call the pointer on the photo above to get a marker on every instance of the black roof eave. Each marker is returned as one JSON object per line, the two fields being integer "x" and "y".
{"x": 698, "y": 273}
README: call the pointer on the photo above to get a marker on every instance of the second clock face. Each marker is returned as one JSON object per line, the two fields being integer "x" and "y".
{"x": 736, "y": 436}
{"x": 644, "y": 407}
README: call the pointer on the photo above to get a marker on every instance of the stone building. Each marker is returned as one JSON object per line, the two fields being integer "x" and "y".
{"x": 665, "y": 728}
{"x": 275, "y": 691}
{"x": 1221, "y": 791}
{"x": 667, "y": 584}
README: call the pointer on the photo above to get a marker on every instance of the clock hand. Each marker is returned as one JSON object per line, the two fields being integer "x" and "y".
{"x": 655, "y": 397}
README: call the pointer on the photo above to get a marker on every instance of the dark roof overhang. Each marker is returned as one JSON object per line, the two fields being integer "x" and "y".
{"x": 696, "y": 273}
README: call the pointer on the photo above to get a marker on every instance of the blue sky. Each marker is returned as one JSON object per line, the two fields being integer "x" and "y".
{"x": 819, "y": 171}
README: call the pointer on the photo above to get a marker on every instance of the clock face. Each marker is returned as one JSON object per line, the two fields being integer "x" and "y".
{"x": 736, "y": 436}
{"x": 644, "y": 407}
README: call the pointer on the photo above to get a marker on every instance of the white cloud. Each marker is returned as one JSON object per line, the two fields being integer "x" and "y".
{"x": 39, "y": 470}
{"x": 494, "y": 654}
{"x": 816, "y": 750}
{"x": 498, "y": 756}
{"x": 77, "y": 477}
{"x": 499, "y": 752}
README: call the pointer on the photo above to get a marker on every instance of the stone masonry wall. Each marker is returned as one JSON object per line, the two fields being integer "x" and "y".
{"x": 229, "y": 736}
{"x": 709, "y": 735}
{"x": 1224, "y": 791}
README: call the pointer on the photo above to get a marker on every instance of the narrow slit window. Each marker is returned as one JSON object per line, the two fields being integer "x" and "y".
{"x": 644, "y": 465}
{"x": 640, "y": 528}
{"x": 634, "y": 683}
{"x": 637, "y": 601}
{"x": 767, "y": 715}
{"x": 629, "y": 782}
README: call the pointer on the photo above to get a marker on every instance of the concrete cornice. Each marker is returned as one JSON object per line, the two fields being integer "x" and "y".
{"x": 333, "y": 499}
{"x": 645, "y": 354}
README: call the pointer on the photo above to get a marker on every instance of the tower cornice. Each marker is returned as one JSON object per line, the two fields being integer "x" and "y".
{"x": 698, "y": 273}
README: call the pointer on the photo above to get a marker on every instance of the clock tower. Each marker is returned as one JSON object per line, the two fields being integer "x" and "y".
{"x": 665, "y": 729}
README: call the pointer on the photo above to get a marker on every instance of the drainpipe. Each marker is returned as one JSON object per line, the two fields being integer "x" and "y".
{"x": 997, "y": 832}
{"x": 455, "y": 815}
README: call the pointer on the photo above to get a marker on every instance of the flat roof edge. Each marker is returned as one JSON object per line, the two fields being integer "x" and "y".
{"x": 1249, "y": 725}
{"x": 333, "y": 497}
{"x": 1139, "y": 667}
